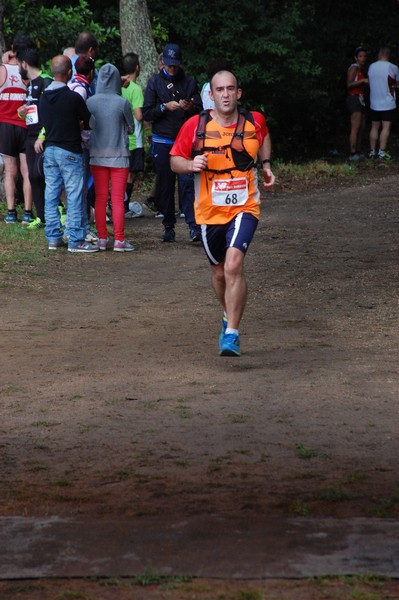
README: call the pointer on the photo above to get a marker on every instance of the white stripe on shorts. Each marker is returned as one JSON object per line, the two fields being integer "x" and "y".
{"x": 237, "y": 224}
{"x": 206, "y": 247}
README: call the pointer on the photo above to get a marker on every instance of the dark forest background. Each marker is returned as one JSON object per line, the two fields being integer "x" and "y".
{"x": 290, "y": 56}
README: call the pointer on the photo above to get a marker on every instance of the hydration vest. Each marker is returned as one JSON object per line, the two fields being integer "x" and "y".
{"x": 243, "y": 161}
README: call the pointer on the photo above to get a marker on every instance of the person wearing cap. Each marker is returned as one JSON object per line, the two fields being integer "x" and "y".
{"x": 171, "y": 97}
{"x": 357, "y": 85}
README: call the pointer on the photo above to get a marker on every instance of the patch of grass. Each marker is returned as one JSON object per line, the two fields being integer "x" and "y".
{"x": 87, "y": 427}
{"x": 386, "y": 506}
{"x": 43, "y": 423}
{"x": 25, "y": 589}
{"x": 250, "y": 595}
{"x": 373, "y": 579}
{"x": 9, "y": 390}
{"x": 114, "y": 401}
{"x": 304, "y": 476}
{"x": 359, "y": 582}
{"x": 284, "y": 419}
{"x": 184, "y": 412}
{"x": 360, "y": 594}
{"x": 151, "y": 405}
{"x": 63, "y": 482}
{"x": 264, "y": 457}
{"x": 72, "y": 498}
{"x": 306, "y": 453}
{"x": 121, "y": 475}
{"x": 328, "y": 577}
{"x": 176, "y": 582}
{"x": 149, "y": 577}
{"x": 113, "y": 582}
{"x": 299, "y": 507}
{"x": 318, "y": 171}
{"x": 21, "y": 251}
{"x": 142, "y": 512}
{"x": 356, "y": 477}
{"x": 180, "y": 462}
{"x": 77, "y": 594}
{"x": 238, "y": 418}
{"x": 40, "y": 446}
{"x": 36, "y": 467}
{"x": 334, "y": 495}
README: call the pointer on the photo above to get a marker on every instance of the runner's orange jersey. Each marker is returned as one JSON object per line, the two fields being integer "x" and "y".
{"x": 219, "y": 197}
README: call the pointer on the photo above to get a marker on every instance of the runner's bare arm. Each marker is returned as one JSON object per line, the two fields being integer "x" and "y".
{"x": 264, "y": 154}
{"x": 182, "y": 165}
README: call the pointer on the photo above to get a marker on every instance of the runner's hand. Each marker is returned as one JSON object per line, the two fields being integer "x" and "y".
{"x": 268, "y": 178}
{"x": 200, "y": 162}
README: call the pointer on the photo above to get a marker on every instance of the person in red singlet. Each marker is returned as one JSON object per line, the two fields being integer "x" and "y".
{"x": 13, "y": 129}
{"x": 357, "y": 86}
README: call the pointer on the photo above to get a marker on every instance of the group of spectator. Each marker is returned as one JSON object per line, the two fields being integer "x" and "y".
{"x": 375, "y": 89}
{"x": 80, "y": 132}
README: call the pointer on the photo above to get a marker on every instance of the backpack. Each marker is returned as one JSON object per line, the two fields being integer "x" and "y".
{"x": 243, "y": 161}
{"x": 75, "y": 83}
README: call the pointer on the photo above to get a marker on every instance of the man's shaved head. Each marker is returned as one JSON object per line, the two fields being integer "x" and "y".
{"x": 61, "y": 65}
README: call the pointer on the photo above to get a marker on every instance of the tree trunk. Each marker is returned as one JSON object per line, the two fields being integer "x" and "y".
{"x": 136, "y": 36}
{"x": 2, "y": 42}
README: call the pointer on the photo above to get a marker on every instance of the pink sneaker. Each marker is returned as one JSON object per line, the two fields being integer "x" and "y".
{"x": 102, "y": 243}
{"x": 124, "y": 246}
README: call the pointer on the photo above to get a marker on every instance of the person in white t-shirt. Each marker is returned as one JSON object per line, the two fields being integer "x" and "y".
{"x": 383, "y": 81}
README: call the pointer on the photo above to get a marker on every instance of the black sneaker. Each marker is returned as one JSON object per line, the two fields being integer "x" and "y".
{"x": 150, "y": 204}
{"x": 169, "y": 235}
{"x": 195, "y": 235}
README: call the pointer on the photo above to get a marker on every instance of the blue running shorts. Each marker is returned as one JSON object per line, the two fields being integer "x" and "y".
{"x": 238, "y": 233}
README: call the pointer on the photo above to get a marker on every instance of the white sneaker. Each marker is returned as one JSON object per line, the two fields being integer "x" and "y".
{"x": 91, "y": 237}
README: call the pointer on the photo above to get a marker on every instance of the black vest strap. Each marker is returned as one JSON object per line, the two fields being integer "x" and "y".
{"x": 243, "y": 161}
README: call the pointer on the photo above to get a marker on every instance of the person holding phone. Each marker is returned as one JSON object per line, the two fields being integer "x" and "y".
{"x": 171, "y": 97}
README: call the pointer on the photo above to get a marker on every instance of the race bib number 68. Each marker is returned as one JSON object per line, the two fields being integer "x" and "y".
{"x": 229, "y": 192}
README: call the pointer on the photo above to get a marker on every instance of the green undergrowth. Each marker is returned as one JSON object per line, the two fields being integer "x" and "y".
{"x": 22, "y": 251}
{"x": 325, "y": 172}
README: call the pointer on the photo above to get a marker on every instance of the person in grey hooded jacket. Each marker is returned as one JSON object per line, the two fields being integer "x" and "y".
{"x": 111, "y": 121}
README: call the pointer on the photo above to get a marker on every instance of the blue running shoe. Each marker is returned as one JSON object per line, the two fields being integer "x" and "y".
{"x": 11, "y": 217}
{"x": 224, "y": 325}
{"x": 27, "y": 218}
{"x": 230, "y": 345}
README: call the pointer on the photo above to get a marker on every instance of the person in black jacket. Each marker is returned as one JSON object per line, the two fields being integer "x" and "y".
{"x": 171, "y": 97}
{"x": 62, "y": 112}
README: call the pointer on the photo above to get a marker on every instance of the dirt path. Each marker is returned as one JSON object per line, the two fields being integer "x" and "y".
{"x": 114, "y": 399}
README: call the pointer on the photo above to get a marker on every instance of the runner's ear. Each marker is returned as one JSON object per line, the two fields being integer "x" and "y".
{"x": 239, "y": 93}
